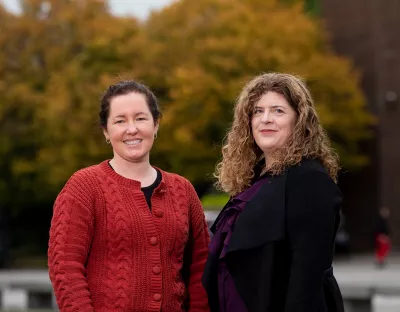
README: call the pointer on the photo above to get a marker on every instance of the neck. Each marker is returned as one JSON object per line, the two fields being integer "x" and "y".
{"x": 140, "y": 171}
{"x": 269, "y": 159}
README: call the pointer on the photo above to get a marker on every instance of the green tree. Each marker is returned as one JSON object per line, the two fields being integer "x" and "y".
{"x": 55, "y": 58}
{"x": 206, "y": 50}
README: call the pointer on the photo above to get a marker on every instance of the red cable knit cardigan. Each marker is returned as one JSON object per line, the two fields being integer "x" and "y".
{"x": 109, "y": 252}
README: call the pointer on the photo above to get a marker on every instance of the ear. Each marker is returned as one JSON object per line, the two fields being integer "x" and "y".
{"x": 156, "y": 127}
{"x": 105, "y": 133}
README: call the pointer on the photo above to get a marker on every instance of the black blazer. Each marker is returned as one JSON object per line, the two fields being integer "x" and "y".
{"x": 281, "y": 250}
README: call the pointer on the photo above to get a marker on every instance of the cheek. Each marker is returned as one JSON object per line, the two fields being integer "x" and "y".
{"x": 293, "y": 120}
{"x": 289, "y": 125}
{"x": 147, "y": 130}
{"x": 113, "y": 132}
{"x": 253, "y": 127}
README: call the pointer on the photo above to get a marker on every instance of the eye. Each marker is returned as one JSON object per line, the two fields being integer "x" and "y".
{"x": 257, "y": 111}
{"x": 278, "y": 110}
{"x": 141, "y": 118}
{"x": 119, "y": 121}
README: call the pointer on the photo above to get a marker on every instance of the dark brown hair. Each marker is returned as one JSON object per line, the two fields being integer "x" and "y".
{"x": 123, "y": 88}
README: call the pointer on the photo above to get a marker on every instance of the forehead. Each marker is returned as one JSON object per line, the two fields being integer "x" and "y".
{"x": 272, "y": 98}
{"x": 128, "y": 104}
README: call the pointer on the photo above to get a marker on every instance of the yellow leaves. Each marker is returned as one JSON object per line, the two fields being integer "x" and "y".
{"x": 195, "y": 55}
{"x": 21, "y": 167}
{"x": 209, "y": 49}
{"x": 182, "y": 135}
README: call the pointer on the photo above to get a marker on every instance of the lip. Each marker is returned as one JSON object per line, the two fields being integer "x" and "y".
{"x": 130, "y": 140}
{"x": 267, "y": 131}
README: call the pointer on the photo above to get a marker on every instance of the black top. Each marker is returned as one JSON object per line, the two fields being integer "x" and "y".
{"x": 382, "y": 226}
{"x": 281, "y": 250}
{"x": 148, "y": 190}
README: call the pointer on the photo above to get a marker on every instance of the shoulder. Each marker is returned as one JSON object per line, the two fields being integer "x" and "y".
{"x": 173, "y": 180}
{"x": 309, "y": 178}
{"x": 310, "y": 175}
{"x": 306, "y": 166}
{"x": 85, "y": 175}
{"x": 83, "y": 183}
{"x": 307, "y": 169}
{"x": 181, "y": 187}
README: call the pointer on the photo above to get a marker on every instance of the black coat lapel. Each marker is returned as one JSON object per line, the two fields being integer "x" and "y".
{"x": 263, "y": 219}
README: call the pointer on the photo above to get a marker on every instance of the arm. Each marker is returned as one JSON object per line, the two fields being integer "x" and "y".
{"x": 196, "y": 253}
{"x": 312, "y": 203}
{"x": 70, "y": 237}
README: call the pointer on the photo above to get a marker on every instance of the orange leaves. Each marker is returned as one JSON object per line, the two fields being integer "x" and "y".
{"x": 207, "y": 50}
{"x": 58, "y": 56}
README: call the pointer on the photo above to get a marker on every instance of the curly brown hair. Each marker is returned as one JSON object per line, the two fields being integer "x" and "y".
{"x": 240, "y": 153}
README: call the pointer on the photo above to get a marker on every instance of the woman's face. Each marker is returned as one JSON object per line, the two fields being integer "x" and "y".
{"x": 130, "y": 127}
{"x": 272, "y": 122}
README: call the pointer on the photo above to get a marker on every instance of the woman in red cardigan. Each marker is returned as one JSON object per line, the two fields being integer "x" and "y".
{"x": 127, "y": 236}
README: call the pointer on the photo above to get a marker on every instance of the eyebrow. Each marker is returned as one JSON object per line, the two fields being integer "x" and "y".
{"x": 273, "y": 106}
{"x": 123, "y": 116}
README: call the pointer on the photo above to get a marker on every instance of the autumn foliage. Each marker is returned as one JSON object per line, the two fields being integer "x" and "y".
{"x": 57, "y": 57}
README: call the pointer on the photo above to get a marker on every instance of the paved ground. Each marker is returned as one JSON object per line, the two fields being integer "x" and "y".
{"x": 359, "y": 275}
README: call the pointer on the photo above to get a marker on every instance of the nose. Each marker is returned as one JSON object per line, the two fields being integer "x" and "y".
{"x": 266, "y": 117}
{"x": 131, "y": 128}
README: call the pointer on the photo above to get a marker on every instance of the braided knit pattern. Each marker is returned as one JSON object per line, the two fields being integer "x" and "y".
{"x": 198, "y": 244}
{"x": 66, "y": 254}
{"x": 118, "y": 258}
{"x": 109, "y": 252}
{"x": 179, "y": 202}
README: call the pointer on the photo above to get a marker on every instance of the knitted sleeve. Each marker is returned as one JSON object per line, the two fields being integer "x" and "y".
{"x": 198, "y": 248}
{"x": 70, "y": 238}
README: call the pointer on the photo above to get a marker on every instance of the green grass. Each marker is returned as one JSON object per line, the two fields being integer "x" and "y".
{"x": 30, "y": 261}
{"x": 26, "y": 258}
{"x": 214, "y": 201}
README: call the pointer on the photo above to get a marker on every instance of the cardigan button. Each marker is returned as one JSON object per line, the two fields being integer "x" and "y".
{"x": 159, "y": 213}
{"x": 153, "y": 240}
{"x": 160, "y": 190}
{"x": 156, "y": 270}
{"x": 157, "y": 297}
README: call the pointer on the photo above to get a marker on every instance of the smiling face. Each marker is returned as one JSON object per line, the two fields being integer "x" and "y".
{"x": 272, "y": 122}
{"x": 130, "y": 127}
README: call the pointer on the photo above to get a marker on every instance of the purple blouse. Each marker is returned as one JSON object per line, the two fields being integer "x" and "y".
{"x": 229, "y": 298}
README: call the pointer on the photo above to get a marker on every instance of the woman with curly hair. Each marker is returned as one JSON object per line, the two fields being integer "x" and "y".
{"x": 273, "y": 241}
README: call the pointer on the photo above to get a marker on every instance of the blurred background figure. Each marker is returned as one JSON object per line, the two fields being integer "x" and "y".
{"x": 382, "y": 237}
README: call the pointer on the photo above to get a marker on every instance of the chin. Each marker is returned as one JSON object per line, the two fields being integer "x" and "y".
{"x": 267, "y": 148}
{"x": 136, "y": 158}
